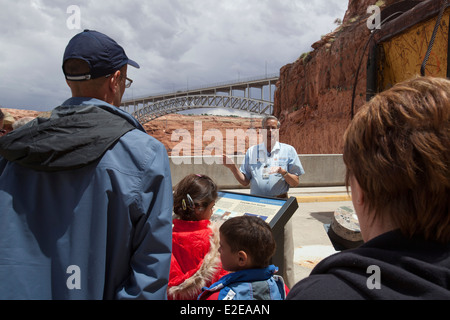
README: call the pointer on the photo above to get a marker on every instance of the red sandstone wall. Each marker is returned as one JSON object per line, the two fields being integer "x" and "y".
{"x": 313, "y": 96}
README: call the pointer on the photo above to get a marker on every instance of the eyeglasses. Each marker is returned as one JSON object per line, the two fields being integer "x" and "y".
{"x": 128, "y": 83}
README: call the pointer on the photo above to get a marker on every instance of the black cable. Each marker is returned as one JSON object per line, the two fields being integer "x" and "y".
{"x": 433, "y": 38}
{"x": 362, "y": 57}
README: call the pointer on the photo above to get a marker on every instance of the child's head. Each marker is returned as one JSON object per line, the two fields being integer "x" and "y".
{"x": 246, "y": 242}
{"x": 194, "y": 197}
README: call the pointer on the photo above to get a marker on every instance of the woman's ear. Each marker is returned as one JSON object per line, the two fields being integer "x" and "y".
{"x": 358, "y": 197}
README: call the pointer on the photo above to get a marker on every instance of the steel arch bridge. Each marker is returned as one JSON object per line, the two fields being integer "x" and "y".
{"x": 213, "y": 96}
{"x": 173, "y": 105}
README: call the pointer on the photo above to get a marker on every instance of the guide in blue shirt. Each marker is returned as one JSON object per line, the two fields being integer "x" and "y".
{"x": 271, "y": 174}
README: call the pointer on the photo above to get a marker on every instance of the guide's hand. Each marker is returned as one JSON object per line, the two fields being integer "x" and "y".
{"x": 274, "y": 170}
{"x": 278, "y": 170}
{"x": 227, "y": 161}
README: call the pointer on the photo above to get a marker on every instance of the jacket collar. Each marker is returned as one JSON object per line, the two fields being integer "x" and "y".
{"x": 86, "y": 101}
{"x": 248, "y": 275}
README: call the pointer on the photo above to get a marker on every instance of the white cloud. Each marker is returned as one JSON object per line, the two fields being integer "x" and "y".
{"x": 178, "y": 43}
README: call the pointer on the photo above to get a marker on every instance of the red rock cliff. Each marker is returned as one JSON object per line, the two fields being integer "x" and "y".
{"x": 314, "y": 94}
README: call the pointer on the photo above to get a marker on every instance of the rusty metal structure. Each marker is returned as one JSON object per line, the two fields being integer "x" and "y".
{"x": 413, "y": 40}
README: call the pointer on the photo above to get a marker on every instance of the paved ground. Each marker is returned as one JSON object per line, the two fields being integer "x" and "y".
{"x": 316, "y": 209}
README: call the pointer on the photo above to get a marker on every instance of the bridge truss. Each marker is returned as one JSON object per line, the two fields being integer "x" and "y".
{"x": 215, "y": 96}
{"x": 173, "y": 105}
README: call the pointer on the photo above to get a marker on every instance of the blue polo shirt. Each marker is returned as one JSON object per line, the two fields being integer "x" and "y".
{"x": 258, "y": 162}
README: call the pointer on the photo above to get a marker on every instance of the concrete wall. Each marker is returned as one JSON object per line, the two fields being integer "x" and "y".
{"x": 320, "y": 170}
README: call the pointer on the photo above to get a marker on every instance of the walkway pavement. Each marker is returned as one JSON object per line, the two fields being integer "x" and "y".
{"x": 316, "y": 209}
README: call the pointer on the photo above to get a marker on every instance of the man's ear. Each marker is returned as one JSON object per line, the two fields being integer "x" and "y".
{"x": 114, "y": 81}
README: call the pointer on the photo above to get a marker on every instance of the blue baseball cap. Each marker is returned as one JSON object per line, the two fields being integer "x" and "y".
{"x": 103, "y": 55}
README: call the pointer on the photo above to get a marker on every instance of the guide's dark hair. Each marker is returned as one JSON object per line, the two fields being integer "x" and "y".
{"x": 251, "y": 235}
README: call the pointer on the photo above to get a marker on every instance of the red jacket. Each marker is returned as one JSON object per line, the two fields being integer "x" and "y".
{"x": 195, "y": 259}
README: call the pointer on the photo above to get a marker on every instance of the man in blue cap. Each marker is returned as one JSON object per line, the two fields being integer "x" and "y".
{"x": 96, "y": 66}
{"x": 86, "y": 195}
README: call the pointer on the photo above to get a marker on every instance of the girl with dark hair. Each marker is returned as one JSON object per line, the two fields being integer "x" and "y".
{"x": 195, "y": 240}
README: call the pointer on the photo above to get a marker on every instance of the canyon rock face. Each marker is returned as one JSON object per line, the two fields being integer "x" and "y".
{"x": 314, "y": 94}
{"x": 18, "y": 114}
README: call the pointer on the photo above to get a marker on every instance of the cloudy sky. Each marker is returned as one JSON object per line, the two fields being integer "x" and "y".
{"x": 178, "y": 43}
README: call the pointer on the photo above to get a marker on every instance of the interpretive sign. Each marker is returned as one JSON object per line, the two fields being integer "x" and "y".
{"x": 276, "y": 212}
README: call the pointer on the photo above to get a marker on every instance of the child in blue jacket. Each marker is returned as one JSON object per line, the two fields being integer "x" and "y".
{"x": 246, "y": 247}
